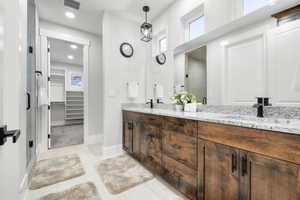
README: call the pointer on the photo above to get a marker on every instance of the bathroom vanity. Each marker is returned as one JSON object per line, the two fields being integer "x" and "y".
{"x": 210, "y": 156}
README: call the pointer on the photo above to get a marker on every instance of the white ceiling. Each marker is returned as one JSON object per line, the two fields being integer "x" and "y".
{"x": 89, "y": 17}
{"x": 59, "y": 51}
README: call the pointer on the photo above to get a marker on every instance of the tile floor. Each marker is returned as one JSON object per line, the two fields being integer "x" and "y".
{"x": 90, "y": 155}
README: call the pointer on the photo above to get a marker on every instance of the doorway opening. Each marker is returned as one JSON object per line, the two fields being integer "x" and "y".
{"x": 196, "y": 73}
{"x": 66, "y": 93}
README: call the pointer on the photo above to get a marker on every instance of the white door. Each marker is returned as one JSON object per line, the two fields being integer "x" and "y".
{"x": 13, "y": 97}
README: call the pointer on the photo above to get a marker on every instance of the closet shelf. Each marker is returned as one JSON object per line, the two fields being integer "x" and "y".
{"x": 74, "y": 109}
{"x": 58, "y": 102}
{"x": 74, "y": 100}
{"x": 75, "y": 96}
{"x": 73, "y": 118}
{"x": 79, "y": 109}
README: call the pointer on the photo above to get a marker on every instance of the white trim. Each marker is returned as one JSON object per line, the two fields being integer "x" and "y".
{"x": 190, "y": 17}
{"x": 162, "y": 37}
{"x": 45, "y": 35}
{"x": 65, "y": 37}
{"x": 155, "y": 42}
{"x": 86, "y": 92}
{"x": 235, "y": 25}
{"x": 113, "y": 150}
{"x": 94, "y": 139}
{"x": 24, "y": 183}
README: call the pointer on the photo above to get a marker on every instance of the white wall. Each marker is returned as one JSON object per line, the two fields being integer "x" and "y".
{"x": 94, "y": 75}
{"x": 171, "y": 23}
{"x": 196, "y": 81}
{"x": 119, "y": 70}
{"x": 226, "y": 70}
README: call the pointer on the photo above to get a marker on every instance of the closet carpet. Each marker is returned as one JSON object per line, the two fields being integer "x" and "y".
{"x": 62, "y": 136}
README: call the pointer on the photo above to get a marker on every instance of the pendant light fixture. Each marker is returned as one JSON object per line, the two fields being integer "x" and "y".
{"x": 146, "y": 28}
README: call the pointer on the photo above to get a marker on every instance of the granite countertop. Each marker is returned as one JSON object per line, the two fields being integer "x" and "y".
{"x": 231, "y": 115}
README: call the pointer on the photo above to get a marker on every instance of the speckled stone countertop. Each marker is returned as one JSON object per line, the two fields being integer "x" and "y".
{"x": 281, "y": 119}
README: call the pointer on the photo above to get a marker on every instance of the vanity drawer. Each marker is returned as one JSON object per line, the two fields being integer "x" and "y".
{"x": 153, "y": 120}
{"x": 181, "y": 126}
{"x": 183, "y": 178}
{"x": 278, "y": 145}
{"x": 131, "y": 116}
{"x": 180, "y": 147}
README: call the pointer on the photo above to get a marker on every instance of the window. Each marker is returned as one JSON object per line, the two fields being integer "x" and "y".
{"x": 196, "y": 28}
{"x": 252, "y": 5}
{"x": 162, "y": 45}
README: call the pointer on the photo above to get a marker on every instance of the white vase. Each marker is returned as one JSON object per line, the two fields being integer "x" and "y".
{"x": 179, "y": 107}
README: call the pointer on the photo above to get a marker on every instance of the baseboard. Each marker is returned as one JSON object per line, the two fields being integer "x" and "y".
{"x": 23, "y": 188}
{"x": 94, "y": 139}
{"x": 113, "y": 150}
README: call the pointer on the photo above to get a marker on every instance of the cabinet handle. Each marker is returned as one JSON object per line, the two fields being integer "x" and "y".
{"x": 130, "y": 125}
{"x": 233, "y": 162}
{"x": 244, "y": 165}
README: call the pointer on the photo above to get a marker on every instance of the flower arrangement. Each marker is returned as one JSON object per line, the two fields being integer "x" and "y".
{"x": 185, "y": 98}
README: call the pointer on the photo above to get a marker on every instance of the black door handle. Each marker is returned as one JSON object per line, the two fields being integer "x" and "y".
{"x": 233, "y": 162}
{"x": 28, "y": 101}
{"x": 244, "y": 165}
{"x": 4, "y": 134}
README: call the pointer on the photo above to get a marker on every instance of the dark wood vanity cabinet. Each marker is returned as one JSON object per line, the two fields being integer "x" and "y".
{"x": 150, "y": 143}
{"x": 229, "y": 173}
{"x": 264, "y": 178}
{"x": 207, "y": 161}
{"x": 179, "y": 155}
{"x": 218, "y": 171}
{"x": 127, "y": 135}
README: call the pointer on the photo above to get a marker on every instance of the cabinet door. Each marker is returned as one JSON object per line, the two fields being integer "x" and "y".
{"x": 136, "y": 141}
{"x": 221, "y": 172}
{"x": 264, "y": 178}
{"x": 181, "y": 177}
{"x": 127, "y": 136}
{"x": 150, "y": 151}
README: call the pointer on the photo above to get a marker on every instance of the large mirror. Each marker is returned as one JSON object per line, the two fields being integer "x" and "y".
{"x": 196, "y": 73}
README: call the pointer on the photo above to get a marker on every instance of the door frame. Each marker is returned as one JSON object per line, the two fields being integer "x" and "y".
{"x": 45, "y": 35}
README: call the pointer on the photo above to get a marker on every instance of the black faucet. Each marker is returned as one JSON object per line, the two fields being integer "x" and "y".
{"x": 204, "y": 101}
{"x": 261, "y": 103}
{"x": 158, "y": 101}
{"x": 151, "y": 103}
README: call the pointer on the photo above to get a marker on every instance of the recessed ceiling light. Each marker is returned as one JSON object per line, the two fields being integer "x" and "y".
{"x": 74, "y": 46}
{"x": 70, "y": 14}
{"x": 70, "y": 57}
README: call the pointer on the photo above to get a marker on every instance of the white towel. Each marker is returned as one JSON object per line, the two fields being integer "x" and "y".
{"x": 42, "y": 92}
{"x": 159, "y": 91}
{"x": 43, "y": 97}
{"x": 179, "y": 89}
{"x": 133, "y": 89}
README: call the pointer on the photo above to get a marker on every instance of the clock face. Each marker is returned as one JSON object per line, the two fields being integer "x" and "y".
{"x": 161, "y": 59}
{"x": 126, "y": 50}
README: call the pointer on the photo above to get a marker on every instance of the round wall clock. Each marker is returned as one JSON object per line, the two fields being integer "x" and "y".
{"x": 161, "y": 58}
{"x": 126, "y": 50}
